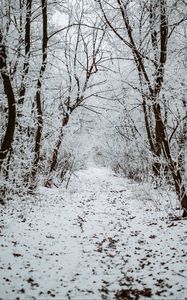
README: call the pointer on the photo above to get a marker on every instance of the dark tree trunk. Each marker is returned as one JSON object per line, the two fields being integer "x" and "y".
{"x": 172, "y": 166}
{"x": 58, "y": 144}
{"x": 56, "y": 150}
{"x": 38, "y": 96}
{"x": 27, "y": 50}
{"x": 9, "y": 134}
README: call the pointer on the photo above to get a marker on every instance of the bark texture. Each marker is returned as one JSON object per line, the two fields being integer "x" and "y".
{"x": 8, "y": 90}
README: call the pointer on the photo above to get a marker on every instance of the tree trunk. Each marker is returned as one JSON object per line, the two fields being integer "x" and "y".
{"x": 38, "y": 96}
{"x": 27, "y": 51}
{"x": 172, "y": 166}
{"x": 58, "y": 144}
{"x": 56, "y": 150}
{"x": 9, "y": 134}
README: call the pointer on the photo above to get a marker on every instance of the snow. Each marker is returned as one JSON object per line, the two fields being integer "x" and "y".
{"x": 102, "y": 238}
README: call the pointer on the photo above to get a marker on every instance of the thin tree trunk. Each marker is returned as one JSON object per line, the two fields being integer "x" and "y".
{"x": 56, "y": 150}
{"x": 58, "y": 144}
{"x": 38, "y": 95}
{"x": 27, "y": 50}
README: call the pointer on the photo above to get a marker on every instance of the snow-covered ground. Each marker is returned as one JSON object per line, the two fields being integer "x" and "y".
{"x": 103, "y": 238}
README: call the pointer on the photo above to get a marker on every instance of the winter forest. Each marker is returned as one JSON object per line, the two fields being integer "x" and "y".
{"x": 93, "y": 149}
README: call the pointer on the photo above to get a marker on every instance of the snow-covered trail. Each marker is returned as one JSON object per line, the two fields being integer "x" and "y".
{"x": 95, "y": 241}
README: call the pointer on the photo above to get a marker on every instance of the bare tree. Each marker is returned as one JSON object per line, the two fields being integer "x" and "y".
{"x": 20, "y": 52}
{"x": 156, "y": 33}
{"x": 83, "y": 57}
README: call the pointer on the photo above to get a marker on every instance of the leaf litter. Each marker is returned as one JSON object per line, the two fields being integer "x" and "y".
{"x": 99, "y": 239}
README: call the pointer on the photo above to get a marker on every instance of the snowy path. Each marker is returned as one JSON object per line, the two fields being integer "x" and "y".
{"x": 95, "y": 241}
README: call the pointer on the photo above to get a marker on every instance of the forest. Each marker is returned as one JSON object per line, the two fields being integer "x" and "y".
{"x": 93, "y": 149}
